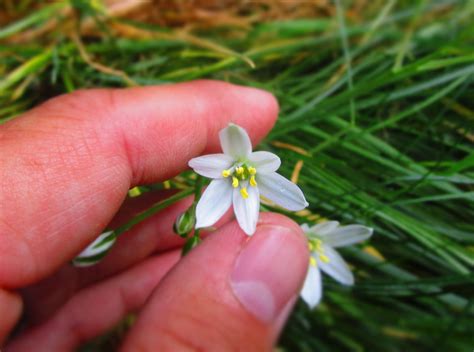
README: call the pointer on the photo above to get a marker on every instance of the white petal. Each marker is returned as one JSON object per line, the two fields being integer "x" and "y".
{"x": 281, "y": 191}
{"x": 336, "y": 267}
{"x": 264, "y": 162}
{"x": 305, "y": 228}
{"x": 312, "y": 287}
{"x": 347, "y": 235}
{"x": 324, "y": 228}
{"x": 214, "y": 202}
{"x": 211, "y": 165}
{"x": 247, "y": 210}
{"x": 235, "y": 142}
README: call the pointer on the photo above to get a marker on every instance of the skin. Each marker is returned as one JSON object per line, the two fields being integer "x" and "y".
{"x": 66, "y": 167}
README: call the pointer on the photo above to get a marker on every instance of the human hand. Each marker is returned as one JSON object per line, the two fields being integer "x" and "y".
{"x": 66, "y": 167}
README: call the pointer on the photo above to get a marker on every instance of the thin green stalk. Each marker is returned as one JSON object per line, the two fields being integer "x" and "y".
{"x": 153, "y": 210}
{"x": 347, "y": 57}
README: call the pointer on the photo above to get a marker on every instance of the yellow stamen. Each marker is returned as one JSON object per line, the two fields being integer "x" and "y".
{"x": 319, "y": 245}
{"x": 244, "y": 193}
{"x": 312, "y": 261}
{"x": 235, "y": 182}
{"x": 316, "y": 246}
{"x": 225, "y": 173}
{"x": 253, "y": 183}
{"x": 252, "y": 170}
{"x": 239, "y": 170}
{"x": 324, "y": 258}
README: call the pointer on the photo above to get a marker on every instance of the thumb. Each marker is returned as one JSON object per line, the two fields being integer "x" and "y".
{"x": 233, "y": 292}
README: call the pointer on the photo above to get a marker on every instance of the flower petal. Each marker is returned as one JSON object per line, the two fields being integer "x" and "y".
{"x": 305, "y": 228}
{"x": 247, "y": 210}
{"x": 336, "y": 267}
{"x": 312, "y": 287}
{"x": 235, "y": 142}
{"x": 281, "y": 191}
{"x": 347, "y": 235}
{"x": 211, "y": 165}
{"x": 264, "y": 162}
{"x": 214, "y": 202}
{"x": 324, "y": 228}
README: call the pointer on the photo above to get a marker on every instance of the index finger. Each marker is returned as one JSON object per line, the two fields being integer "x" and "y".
{"x": 68, "y": 164}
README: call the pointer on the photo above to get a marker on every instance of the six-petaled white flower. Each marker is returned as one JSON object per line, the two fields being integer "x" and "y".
{"x": 240, "y": 176}
{"x": 322, "y": 239}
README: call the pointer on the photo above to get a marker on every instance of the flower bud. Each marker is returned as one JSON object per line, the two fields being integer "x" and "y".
{"x": 95, "y": 251}
{"x": 184, "y": 224}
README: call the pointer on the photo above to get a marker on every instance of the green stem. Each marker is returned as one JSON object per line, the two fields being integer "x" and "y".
{"x": 197, "y": 196}
{"x": 153, "y": 210}
{"x": 193, "y": 241}
{"x": 198, "y": 188}
{"x": 197, "y": 192}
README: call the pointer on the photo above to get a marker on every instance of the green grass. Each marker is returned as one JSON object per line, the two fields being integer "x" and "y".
{"x": 382, "y": 104}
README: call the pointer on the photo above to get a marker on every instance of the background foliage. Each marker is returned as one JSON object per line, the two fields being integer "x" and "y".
{"x": 376, "y": 125}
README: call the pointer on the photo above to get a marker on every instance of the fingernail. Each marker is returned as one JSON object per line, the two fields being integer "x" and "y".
{"x": 269, "y": 271}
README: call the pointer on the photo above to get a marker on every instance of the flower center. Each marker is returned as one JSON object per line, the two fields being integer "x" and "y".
{"x": 316, "y": 246}
{"x": 242, "y": 175}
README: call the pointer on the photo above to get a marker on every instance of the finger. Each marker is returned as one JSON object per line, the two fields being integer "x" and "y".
{"x": 236, "y": 292}
{"x": 67, "y": 165}
{"x": 152, "y": 235}
{"x": 45, "y": 297}
{"x": 96, "y": 309}
{"x": 10, "y": 306}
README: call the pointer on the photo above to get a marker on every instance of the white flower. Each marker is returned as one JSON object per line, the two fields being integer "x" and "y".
{"x": 322, "y": 239}
{"x": 240, "y": 176}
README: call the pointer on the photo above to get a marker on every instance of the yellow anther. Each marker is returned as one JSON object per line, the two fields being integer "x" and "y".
{"x": 235, "y": 182}
{"x": 225, "y": 173}
{"x": 252, "y": 170}
{"x": 253, "y": 183}
{"x": 244, "y": 193}
{"x": 239, "y": 170}
{"x": 311, "y": 246}
{"x": 319, "y": 245}
{"x": 312, "y": 261}
{"x": 324, "y": 258}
